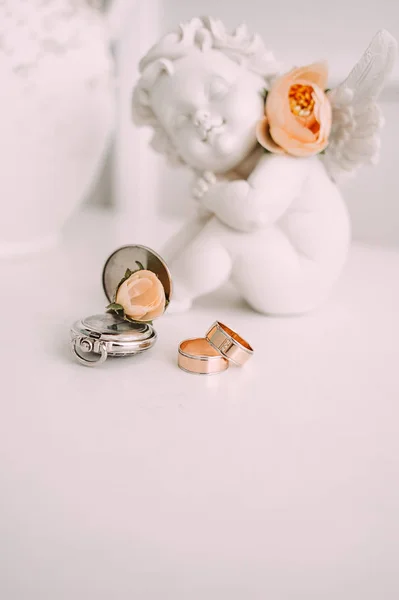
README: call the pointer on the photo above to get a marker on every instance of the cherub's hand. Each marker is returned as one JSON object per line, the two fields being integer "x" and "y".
{"x": 203, "y": 184}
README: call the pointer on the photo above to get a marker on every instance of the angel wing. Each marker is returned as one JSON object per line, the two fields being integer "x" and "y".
{"x": 357, "y": 119}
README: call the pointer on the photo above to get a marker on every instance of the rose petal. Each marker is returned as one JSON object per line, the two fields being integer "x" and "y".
{"x": 277, "y": 97}
{"x": 136, "y": 312}
{"x": 157, "y": 312}
{"x": 122, "y": 295}
{"x": 138, "y": 286}
{"x": 152, "y": 293}
{"x": 154, "y": 302}
{"x": 295, "y": 147}
{"x": 150, "y": 297}
{"x": 278, "y": 113}
{"x": 308, "y": 150}
{"x": 265, "y": 139}
{"x": 315, "y": 73}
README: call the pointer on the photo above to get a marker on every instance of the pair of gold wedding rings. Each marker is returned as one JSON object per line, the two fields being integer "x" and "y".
{"x": 213, "y": 353}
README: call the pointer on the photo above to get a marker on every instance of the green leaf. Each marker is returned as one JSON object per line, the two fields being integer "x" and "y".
{"x": 141, "y": 266}
{"x": 115, "y": 307}
{"x": 128, "y": 272}
{"x": 327, "y": 90}
{"x": 264, "y": 93}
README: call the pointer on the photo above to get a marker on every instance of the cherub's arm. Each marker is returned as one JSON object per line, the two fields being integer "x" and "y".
{"x": 247, "y": 205}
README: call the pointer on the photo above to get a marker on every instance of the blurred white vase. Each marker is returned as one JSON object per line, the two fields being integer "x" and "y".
{"x": 56, "y": 116}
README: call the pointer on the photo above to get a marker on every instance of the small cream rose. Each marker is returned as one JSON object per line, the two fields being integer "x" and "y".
{"x": 142, "y": 296}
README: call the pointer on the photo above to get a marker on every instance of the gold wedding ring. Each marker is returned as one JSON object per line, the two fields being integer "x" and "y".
{"x": 229, "y": 344}
{"x": 198, "y": 356}
{"x": 212, "y": 354}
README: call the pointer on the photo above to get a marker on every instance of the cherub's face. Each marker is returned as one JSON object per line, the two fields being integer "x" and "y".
{"x": 209, "y": 107}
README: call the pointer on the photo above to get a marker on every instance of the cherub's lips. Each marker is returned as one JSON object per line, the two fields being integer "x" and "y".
{"x": 213, "y": 132}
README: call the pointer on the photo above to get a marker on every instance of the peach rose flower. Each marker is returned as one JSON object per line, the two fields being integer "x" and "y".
{"x": 297, "y": 113}
{"x": 142, "y": 296}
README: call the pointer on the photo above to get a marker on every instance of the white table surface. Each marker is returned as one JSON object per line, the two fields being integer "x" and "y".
{"x": 137, "y": 481}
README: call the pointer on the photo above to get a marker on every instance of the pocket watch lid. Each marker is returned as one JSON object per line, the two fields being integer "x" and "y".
{"x": 112, "y": 328}
{"x": 129, "y": 257}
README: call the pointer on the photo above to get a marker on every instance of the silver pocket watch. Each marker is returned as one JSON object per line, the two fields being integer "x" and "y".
{"x": 97, "y": 337}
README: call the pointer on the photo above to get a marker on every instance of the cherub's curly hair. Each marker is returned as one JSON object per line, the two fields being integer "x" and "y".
{"x": 203, "y": 33}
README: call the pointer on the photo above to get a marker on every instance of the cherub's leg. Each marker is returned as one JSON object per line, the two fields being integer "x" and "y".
{"x": 277, "y": 278}
{"x": 201, "y": 267}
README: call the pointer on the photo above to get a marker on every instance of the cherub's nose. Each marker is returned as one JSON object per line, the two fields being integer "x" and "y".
{"x": 202, "y": 118}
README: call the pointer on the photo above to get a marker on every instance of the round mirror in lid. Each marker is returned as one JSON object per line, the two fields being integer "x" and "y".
{"x": 122, "y": 272}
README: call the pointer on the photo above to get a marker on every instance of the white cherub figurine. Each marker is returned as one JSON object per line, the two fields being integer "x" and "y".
{"x": 271, "y": 217}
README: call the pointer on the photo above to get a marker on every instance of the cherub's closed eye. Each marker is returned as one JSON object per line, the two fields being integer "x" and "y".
{"x": 218, "y": 88}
